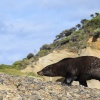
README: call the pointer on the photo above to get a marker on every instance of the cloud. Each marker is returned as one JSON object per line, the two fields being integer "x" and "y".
{"x": 20, "y": 38}
{"x": 25, "y": 25}
{"x": 21, "y": 6}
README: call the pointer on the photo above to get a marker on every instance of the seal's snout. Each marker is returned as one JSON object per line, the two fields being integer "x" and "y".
{"x": 40, "y": 73}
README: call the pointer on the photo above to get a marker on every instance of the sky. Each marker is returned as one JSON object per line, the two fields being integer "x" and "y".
{"x": 26, "y": 25}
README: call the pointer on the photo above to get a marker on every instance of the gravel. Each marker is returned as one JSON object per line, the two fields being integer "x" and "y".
{"x": 28, "y": 88}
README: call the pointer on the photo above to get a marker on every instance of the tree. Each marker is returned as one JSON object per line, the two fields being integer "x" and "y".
{"x": 83, "y": 21}
{"x": 73, "y": 29}
{"x": 96, "y": 34}
{"x": 30, "y": 55}
{"x": 58, "y": 37}
{"x": 78, "y": 26}
{"x": 69, "y": 32}
{"x": 62, "y": 34}
{"x": 66, "y": 33}
{"x": 92, "y": 15}
{"x": 96, "y": 14}
{"x": 46, "y": 47}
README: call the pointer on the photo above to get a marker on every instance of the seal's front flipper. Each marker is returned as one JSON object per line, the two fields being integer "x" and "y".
{"x": 69, "y": 80}
{"x": 83, "y": 83}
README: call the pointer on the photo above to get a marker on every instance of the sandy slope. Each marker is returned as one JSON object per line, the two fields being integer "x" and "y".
{"x": 92, "y": 49}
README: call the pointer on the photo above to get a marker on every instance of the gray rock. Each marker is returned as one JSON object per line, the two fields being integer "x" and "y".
{"x": 28, "y": 88}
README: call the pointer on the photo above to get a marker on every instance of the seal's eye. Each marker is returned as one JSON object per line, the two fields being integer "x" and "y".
{"x": 47, "y": 72}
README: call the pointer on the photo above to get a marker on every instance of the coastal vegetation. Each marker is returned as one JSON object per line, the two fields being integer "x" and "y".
{"x": 73, "y": 39}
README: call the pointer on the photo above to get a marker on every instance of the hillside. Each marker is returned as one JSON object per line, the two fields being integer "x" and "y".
{"x": 80, "y": 40}
{"x": 74, "y": 38}
{"x": 83, "y": 39}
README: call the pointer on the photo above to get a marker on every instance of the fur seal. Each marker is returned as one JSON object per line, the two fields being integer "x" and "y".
{"x": 74, "y": 69}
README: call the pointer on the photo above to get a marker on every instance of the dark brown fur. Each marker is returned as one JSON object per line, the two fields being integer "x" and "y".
{"x": 74, "y": 69}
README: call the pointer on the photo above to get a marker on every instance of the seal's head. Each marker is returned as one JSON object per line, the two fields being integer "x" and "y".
{"x": 47, "y": 71}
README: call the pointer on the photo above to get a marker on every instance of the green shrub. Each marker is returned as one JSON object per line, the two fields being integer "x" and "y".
{"x": 11, "y": 71}
{"x": 65, "y": 40}
{"x": 46, "y": 47}
{"x": 5, "y": 66}
{"x": 42, "y": 53}
{"x": 19, "y": 65}
{"x": 80, "y": 37}
{"x": 31, "y": 74}
{"x": 96, "y": 34}
{"x": 97, "y": 31}
{"x": 93, "y": 24}
{"x": 30, "y": 55}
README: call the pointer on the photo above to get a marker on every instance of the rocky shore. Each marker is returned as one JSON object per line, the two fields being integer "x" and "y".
{"x": 28, "y": 88}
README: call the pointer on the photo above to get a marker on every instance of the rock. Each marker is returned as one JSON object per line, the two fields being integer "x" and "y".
{"x": 93, "y": 84}
{"x": 1, "y": 97}
{"x": 26, "y": 88}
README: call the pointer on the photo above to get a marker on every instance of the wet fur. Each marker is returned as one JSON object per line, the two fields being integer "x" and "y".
{"x": 74, "y": 69}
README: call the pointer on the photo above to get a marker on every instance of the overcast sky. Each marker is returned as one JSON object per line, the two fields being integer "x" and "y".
{"x": 25, "y": 25}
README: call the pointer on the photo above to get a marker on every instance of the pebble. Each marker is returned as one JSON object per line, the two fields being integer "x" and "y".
{"x": 28, "y": 88}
